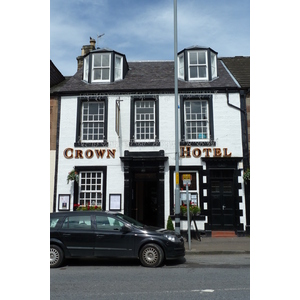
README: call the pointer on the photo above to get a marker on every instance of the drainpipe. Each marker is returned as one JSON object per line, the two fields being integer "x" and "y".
{"x": 246, "y": 161}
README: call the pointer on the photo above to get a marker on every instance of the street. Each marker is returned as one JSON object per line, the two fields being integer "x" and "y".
{"x": 193, "y": 277}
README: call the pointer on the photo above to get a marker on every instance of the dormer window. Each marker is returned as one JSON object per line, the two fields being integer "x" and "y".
{"x": 104, "y": 66}
{"x": 197, "y": 64}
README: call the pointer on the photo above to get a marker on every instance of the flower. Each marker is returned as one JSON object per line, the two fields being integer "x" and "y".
{"x": 72, "y": 175}
{"x": 194, "y": 209}
{"x": 87, "y": 207}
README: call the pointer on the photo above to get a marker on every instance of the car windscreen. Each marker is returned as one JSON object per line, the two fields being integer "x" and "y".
{"x": 130, "y": 220}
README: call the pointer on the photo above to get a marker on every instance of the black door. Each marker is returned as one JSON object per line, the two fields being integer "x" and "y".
{"x": 111, "y": 240}
{"x": 222, "y": 200}
{"x": 78, "y": 235}
{"x": 145, "y": 204}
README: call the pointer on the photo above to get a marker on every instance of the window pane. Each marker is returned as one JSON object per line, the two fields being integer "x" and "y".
{"x": 201, "y": 57}
{"x": 193, "y": 58}
{"x": 202, "y": 72}
{"x": 193, "y": 72}
{"x": 97, "y": 60}
{"x": 105, "y": 74}
{"x": 105, "y": 60}
{"x": 97, "y": 74}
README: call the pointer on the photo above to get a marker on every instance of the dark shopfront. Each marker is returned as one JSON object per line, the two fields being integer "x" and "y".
{"x": 144, "y": 186}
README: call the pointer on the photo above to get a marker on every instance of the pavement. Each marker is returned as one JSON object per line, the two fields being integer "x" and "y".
{"x": 219, "y": 245}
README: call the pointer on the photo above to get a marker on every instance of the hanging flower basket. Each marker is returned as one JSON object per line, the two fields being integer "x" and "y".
{"x": 246, "y": 176}
{"x": 72, "y": 176}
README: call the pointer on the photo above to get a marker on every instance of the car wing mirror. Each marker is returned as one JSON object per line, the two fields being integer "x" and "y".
{"x": 125, "y": 229}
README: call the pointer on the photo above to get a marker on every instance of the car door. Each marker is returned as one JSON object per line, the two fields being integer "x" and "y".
{"x": 78, "y": 235}
{"x": 111, "y": 240}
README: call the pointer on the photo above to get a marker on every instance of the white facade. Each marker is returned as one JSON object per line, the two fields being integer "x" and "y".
{"x": 227, "y": 136}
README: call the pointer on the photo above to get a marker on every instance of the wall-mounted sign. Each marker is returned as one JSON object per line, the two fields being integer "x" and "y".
{"x": 188, "y": 152}
{"x": 64, "y": 202}
{"x": 89, "y": 153}
{"x": 114, "y": 201}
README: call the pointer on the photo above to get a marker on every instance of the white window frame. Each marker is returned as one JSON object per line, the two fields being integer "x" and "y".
{"x": 197, "y": 119}
{"x": 213, "y": 58}
{"x": 86, "y": 68}
{"x": 143, "y": 119}
{"x": 197, "y": 65}
{"x": 101, "y": 68}
{"x": 91, "y": 119}
{"x": 118, "y": 68}
{"x": 90, "y": 190}
{"x": 181, "y": 66}
{"x": 183, "y": 192}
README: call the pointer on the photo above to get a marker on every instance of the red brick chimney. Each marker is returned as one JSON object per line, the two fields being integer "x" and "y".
{"x": 84, "y": 50}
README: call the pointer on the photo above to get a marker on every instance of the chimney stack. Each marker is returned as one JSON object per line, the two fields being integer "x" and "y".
{"x": 84, "y": 50}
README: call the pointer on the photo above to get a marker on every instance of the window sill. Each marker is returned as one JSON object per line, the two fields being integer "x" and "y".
{"x": 91, "y": 144}
{"x": 144, "y": 144}
{"x": 200, "y": 143}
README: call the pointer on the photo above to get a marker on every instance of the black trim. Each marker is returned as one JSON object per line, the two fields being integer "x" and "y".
{"x": 199, "y": 170}
{"x": 148, "y": 162}
{"x": 57, "y": 152}
{"x": 132, "y": 141}
{"x": 211, "y": 142}
{"x": 80, "y": 101}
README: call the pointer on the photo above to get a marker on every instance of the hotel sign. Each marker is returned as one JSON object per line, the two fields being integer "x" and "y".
{"x": 89, "y": 153}
{"x": 188, "y": 152}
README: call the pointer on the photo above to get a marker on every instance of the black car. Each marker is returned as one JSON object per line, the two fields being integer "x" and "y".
{"x": 105, "y": 234}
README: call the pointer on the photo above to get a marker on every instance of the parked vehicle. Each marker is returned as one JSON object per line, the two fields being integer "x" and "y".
{"x": 106, "y": 234}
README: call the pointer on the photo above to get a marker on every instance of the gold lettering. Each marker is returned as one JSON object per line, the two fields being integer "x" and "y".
{"x": 225, "y": 154}
{"x": 100, "y": 153}
{"x": 207, "y": 150}
{"x": 89, "y": 153}
{"x": 185, "y": 153}
{"x": 196, "y": 152}
{"x": 111, "y": 152}
{"x": 217, "y": 152}
{"x": 78, "y": 154}
{"x": 66, "y": 153}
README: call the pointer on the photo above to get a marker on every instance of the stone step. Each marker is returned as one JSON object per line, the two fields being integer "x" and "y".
{"x": 223, "y": 234}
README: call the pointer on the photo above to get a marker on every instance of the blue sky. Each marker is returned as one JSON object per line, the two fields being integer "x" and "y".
{"x": 144, "y": 29}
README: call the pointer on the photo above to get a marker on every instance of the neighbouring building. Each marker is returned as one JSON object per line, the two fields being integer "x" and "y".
{"x": 116, "y": 131}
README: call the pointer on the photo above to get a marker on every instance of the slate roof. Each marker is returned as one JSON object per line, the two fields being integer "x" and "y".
{"x": 146, "y": 76}
{"x": 239, "y": 67}
{"x": 55, "y": 76}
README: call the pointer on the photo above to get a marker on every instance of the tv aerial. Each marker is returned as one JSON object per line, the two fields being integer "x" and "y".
{"x": 98, "y": 37}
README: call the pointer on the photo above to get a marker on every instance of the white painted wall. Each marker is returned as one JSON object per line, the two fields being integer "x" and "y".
{"x": 227, "y": 132}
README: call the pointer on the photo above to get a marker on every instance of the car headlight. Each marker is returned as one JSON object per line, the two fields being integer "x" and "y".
{"x": 172, "y": 238}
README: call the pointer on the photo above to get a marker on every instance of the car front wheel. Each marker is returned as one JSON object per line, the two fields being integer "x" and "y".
{"x": 151, "y": 255}
{"x": 56, "y": 256}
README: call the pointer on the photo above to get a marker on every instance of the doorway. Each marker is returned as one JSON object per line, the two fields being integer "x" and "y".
{"x": 145, "y": 202}
{"x": 222, "y": 199}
